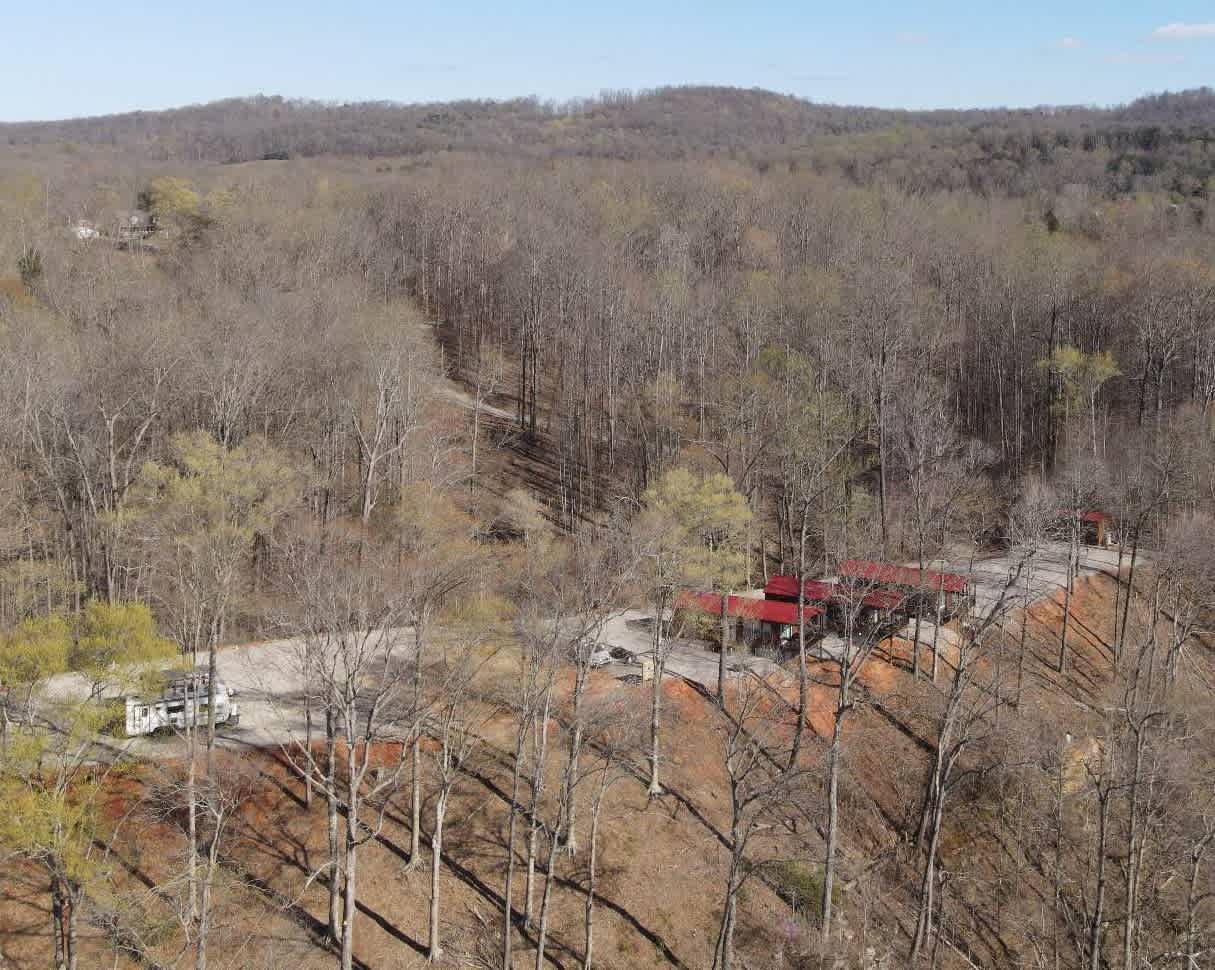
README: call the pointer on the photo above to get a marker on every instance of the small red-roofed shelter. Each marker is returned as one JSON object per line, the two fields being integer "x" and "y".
{"x": 784, "y": 588}
{"x": 908, "y": 577}
{"x": 952, "y": 589}
{"x": 866, "y": 605}
{"x": 1095, "y": 528}
{"x": 755, "y": 621}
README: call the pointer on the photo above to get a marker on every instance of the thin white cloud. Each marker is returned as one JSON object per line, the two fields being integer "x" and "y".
{"x": 1143, "y": 57}
{"x": 1071, "y": 43}
{"x": 1181, "y": 31}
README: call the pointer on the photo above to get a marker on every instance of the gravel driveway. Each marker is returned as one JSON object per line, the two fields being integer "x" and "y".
{"x": 1043, "y": 573}
{"x": 270, "y": 684}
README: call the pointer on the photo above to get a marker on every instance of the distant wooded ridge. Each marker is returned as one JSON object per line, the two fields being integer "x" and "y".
{"x": 672, "y": 122}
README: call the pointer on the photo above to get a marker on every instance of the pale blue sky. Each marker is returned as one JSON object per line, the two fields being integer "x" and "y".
{"x": 65, "y": 58}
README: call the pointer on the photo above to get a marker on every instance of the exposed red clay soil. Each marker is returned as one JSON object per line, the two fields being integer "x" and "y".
{"x": 662, "y": 862}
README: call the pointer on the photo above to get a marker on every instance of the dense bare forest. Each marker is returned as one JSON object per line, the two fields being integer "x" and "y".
{"x": 1160, "y": 141}
{"x": 454, "y": 434}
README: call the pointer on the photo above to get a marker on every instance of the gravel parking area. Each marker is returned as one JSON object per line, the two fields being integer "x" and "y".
{"x": 270, "y": 685}
{"x": 1043, "y": 572}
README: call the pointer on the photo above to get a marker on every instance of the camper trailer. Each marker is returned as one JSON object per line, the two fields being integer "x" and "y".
{"x": 181, "y": 704}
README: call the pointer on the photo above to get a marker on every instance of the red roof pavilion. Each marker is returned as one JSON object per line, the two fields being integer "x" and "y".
{"x": 888, "y": 574}
{"x": 766, "y": 611}
{"x": 785, "y": 588}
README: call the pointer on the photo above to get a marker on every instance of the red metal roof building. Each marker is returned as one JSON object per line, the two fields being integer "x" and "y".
{"x": 759, "y": 623}
{"x": 784, "y": 589}
{"x": 1096, "y": 528}
{"x": 908, "y": 577}
{"x": 745, "y": 607}
{"x": 882, "y": 599}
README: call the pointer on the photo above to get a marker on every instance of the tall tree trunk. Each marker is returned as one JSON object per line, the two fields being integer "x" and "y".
{"x": 656, "y": 699}
{"x": 212, "y": 649}
{"x": 540, "y": 755}
{"x": 1118, "y": 595}
{"x": 929, "y": 834}
{"x": 1191, "y": 909}
{"x": 415, "y": 755}
{"x": 723, "y": 953}
{"x": 435, "y": 949}
{"x": 307, "y": 759}
{"x": 1097, "y": 920}
{"x": 476, "y": 428}
{"x": 924, "y": 918}
{"x": 802, "y": 672}
{"x": 881, "y": 430}
{"x": 74, "y": 898}
{"x": 1057, "y": 911}
{"x": 350, "y": 894}
{"x": 834, "y": 760}
{"x": 588, "y": 939}
{"x": 575, "y": 753}
{"x": 1067, "y": 611}
{"x": 547, "y": 895}
{"x": 415, "y": 802}
{"x": 192, "y": 812}
{"x": 1133, "y": 853}
{"x": 936, "y": 637}
{"x": 57, "y": 921}
{"x": 331, "y": 808}
{"x": 1021, "y": 641}
{"x": 508, "y": 889}
{"x": 725, "y": 641}
{"x": 919, "y": 608}
{"x": 1130, "y": 587}
{"x": 204, "y": 916}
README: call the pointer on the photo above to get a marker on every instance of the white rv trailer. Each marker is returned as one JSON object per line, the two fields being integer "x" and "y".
{"x": 181, "y": 704}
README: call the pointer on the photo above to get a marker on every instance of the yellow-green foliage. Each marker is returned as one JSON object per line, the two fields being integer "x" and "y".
{"x": 1081, "y": 374}
{"x": 217, "y": 493}
{"x": 201, "y": 514}
{"x": 172, "y": 198}
{"x": 49, "y": 794}
{"x": 114, "y": 644}
{"x": 113, "y": 721}
{"x": 47, "y": 824}
{"x": 33, "y": 651}
{"x": 697, "y": 526}
{"x": 117, "y": 643}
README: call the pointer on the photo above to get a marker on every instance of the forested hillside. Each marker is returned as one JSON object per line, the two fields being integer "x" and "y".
{"x": 1158, "y": 141}
{"x": 457, "y": 411}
